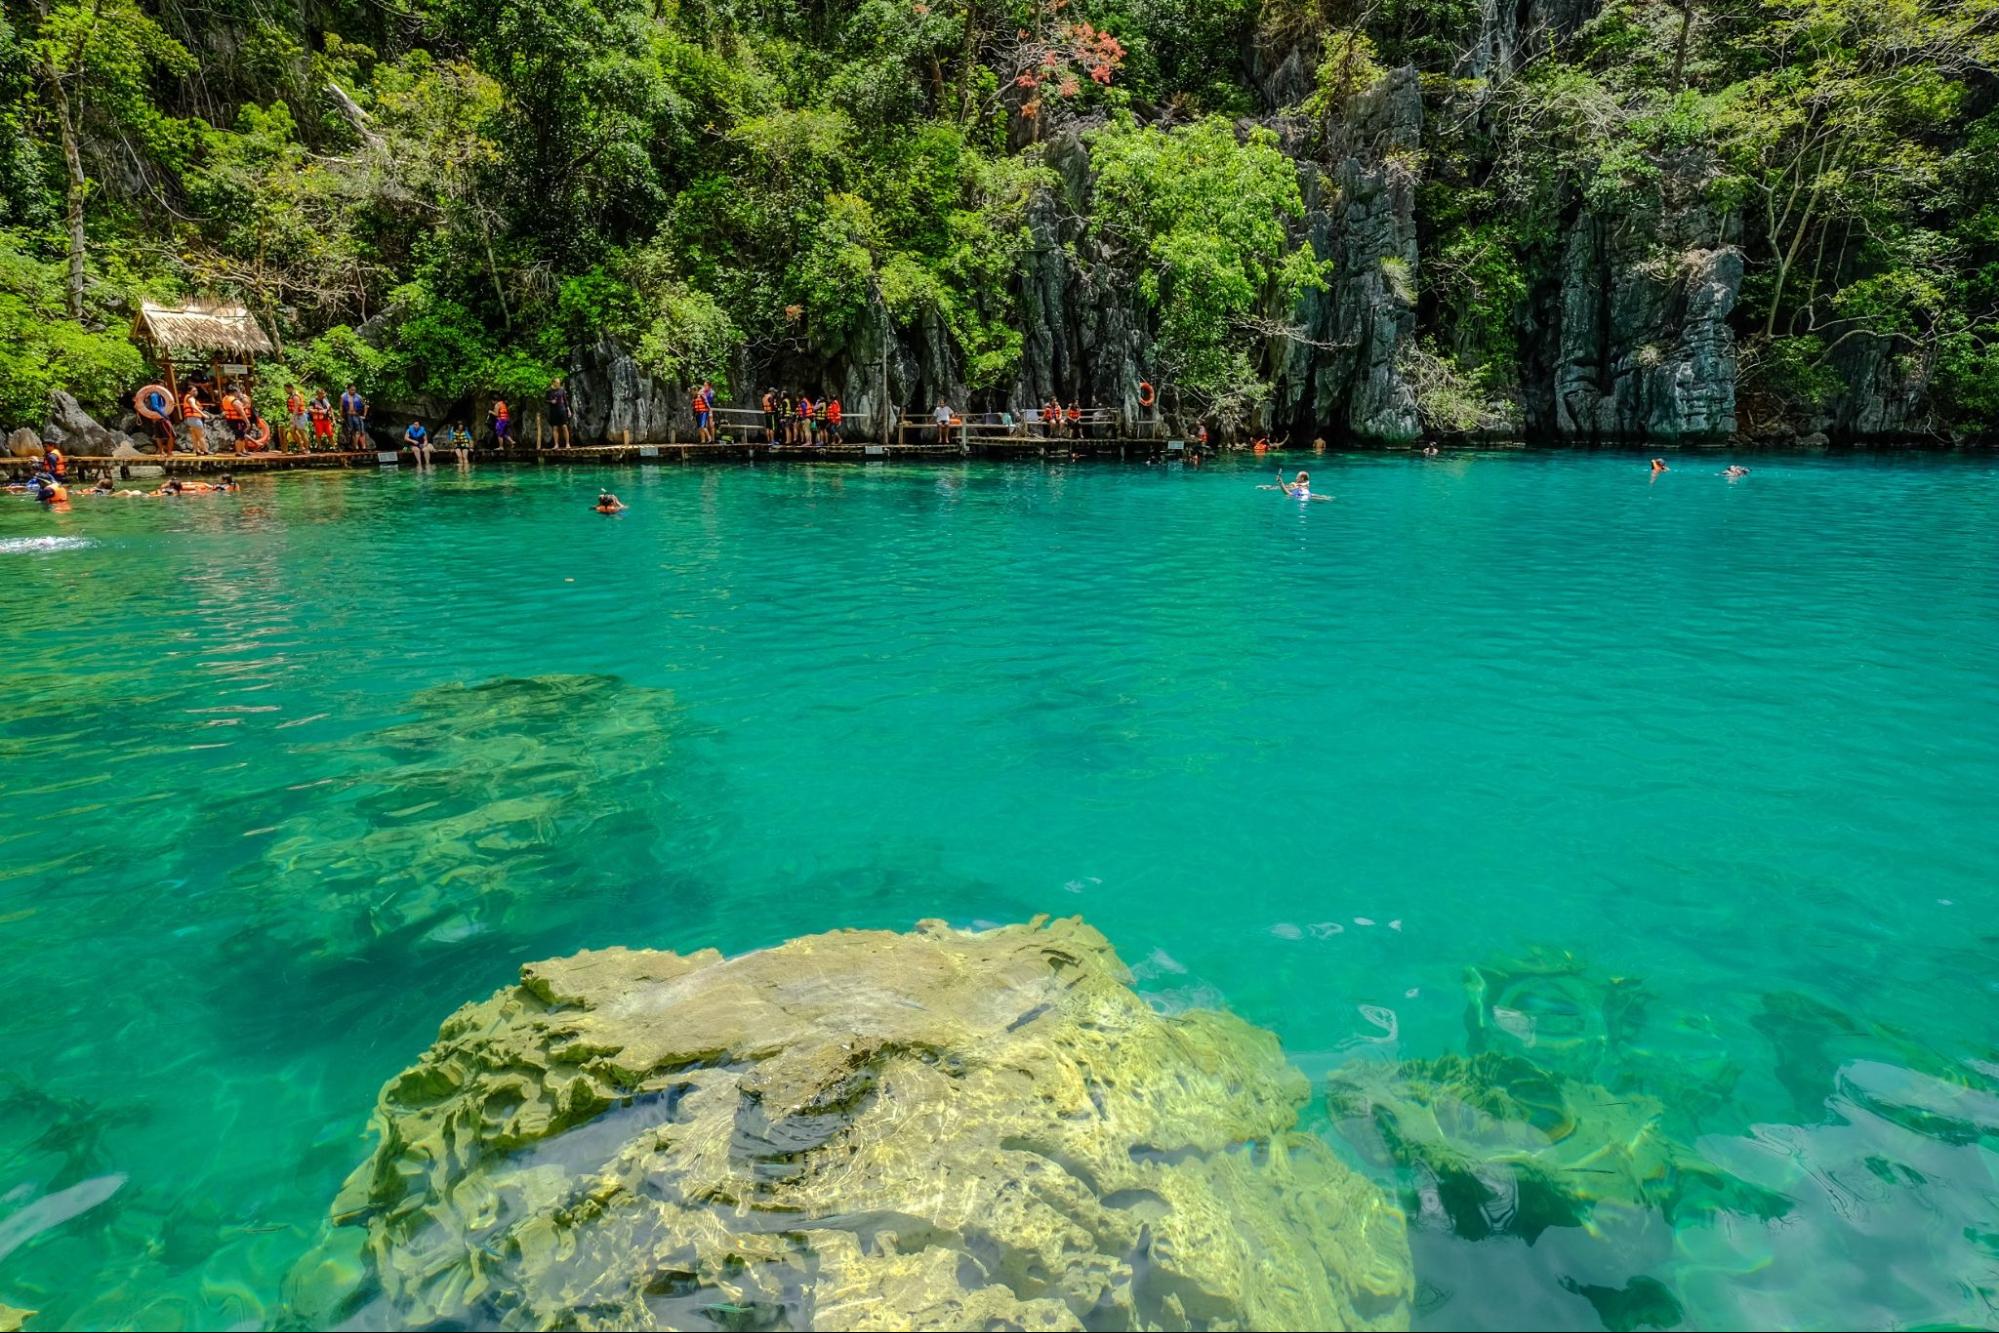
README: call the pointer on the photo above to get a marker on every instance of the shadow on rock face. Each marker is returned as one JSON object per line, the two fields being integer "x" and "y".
{"x": 863, "y": 1129}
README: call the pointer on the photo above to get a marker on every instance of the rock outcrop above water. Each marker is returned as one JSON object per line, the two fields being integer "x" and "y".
{"x": 1344, "y": 374}
{"x": 940, "y": 1129}
{"x": 76, "y": 430}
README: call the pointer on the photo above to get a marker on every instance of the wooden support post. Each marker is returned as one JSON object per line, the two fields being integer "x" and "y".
{"x": 628, "y": 437}
{"x": 537, "y": 432}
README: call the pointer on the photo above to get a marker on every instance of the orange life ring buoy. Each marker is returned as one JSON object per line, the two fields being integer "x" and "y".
{"x": 1145, "y": 395}
{"x": 139, "y": 402}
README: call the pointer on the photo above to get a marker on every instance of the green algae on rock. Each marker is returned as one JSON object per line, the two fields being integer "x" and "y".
{"x": 856, "y": 1130}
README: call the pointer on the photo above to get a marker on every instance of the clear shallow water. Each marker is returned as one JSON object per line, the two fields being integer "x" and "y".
{"x": 290, "y": 775}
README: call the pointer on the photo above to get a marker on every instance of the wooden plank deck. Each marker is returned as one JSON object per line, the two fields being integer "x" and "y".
{"x": 84, "y": 467}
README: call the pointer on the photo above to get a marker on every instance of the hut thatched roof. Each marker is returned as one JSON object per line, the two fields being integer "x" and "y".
{"x": 203, "y": 327}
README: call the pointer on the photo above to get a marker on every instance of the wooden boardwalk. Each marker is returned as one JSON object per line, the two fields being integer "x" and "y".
{"x": 84, "y": 467}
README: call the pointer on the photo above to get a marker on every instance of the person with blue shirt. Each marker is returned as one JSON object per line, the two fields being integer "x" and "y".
{"x": 354, "y": 414}
{"x": 417, "y": 440}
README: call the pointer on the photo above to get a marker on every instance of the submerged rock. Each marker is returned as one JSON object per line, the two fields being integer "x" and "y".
{"x": 452, "y": 822}
{"x": 1499, "y": 1144}
{"x": 862, "y": 1129}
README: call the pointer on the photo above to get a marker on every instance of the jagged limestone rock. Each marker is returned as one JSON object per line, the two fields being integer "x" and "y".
{"x": 1360, "y": 215}
{"x": 940, "y": 1129}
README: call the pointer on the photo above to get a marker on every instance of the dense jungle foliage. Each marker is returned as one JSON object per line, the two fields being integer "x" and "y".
{"x": 440, "y": 197}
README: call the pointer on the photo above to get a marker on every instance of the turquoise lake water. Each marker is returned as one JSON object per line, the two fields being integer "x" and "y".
{"x": 290, "y": 775}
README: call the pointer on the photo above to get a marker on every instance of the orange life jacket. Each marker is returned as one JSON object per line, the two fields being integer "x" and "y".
{"x": 833, "y": 412}
{"x": 190, "y": 407}
{"x": 232, "y": 407}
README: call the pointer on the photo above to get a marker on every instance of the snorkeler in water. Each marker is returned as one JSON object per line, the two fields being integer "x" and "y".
{"x": 608, "y": 503}
{"x": 1734, "y": 470}
{"x": 1658, "y": 466}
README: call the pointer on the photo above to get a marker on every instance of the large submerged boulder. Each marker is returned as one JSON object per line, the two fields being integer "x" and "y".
{"x": 857, "y": 1130}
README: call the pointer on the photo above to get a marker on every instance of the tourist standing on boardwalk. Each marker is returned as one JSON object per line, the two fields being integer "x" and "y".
{"x": 295, "y": 419}
{"x": 558, "y": 414}
{"x": 704, "y": 412}
{"x": 320, "y": 411}
{"x": 500, "y": 418}
{"x": 354, "y": 417}
{"x": 195, "y": 415}
{"x": 804, "y": 418}
{"x": 833, "y": 419}
{"x": 770, "y": 415}
{"x": 236, "y": 415}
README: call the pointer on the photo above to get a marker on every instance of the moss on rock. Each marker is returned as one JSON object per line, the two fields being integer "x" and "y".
{"x": 857, "y": 1130}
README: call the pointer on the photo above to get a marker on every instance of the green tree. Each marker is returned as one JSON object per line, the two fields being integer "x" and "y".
{"x": 1196, "y": 222}
{"x": 95, "y": 60}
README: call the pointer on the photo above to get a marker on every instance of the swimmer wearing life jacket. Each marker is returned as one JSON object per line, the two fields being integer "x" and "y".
{"x": 608, "y": 503}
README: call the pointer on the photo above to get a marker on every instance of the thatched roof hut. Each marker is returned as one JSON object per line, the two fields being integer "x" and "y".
{"x": 202, "y": 329}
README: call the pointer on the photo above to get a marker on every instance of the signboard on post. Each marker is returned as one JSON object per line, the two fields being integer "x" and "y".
{"x": 1176, "y": 446}
{"x": 387, "y": 457}
{"x": 648, "y": 451}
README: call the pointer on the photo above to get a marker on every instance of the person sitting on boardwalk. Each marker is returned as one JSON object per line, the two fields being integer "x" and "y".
{"x": 297, "y": 428}
{"x": 1073, "y": 419}
{"x": 608, "y": 503}
{"x": 459, "y": 441}
{"x": 943, "y": 417}
{"x": 833, "y": 419}
{"x": 320, "y": 412}
{"x": 499, "y": 418}
{"x": 558, "y": 414}
{"x": 354, "y": 418}
{"x": 195, "y": 414}
{"x": 417, "y": 440}
{"x": 704, "y": 412}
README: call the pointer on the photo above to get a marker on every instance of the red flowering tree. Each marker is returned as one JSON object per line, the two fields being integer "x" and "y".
{"x": 1052, "y": 58}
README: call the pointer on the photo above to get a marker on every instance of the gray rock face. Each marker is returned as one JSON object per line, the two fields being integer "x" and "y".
{"x": 611, "y": 394}
{"x": 1344, "y": 375}
{"x": 24, "y": 443}
{"x": 75, "y": 430}
{"x": 1635, "y": 342}
{"x": 1886, "y": 393}
{"x": 1510, "y": 31}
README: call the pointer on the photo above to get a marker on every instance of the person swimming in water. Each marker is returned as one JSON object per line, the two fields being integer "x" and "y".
{"x": 608, "y": 503}
{"x": 1658, "y": 466}
{"x": 1300, "y": 489}
{"x": 1734, "y": 470}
